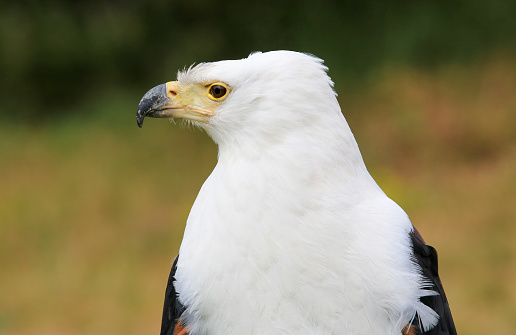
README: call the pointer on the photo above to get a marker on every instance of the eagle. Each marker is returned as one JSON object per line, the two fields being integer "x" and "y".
{"x": 289, "y": 234}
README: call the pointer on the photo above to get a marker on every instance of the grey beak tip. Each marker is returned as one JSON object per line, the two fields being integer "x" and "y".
{"x": 149, "y": 101}
{"x": 139, "y": 121}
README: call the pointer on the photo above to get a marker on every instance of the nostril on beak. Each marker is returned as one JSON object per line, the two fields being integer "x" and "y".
{"x": 172, "y": 92}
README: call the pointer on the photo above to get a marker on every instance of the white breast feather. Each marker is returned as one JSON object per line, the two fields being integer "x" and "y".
{"x": 290, "y": 234}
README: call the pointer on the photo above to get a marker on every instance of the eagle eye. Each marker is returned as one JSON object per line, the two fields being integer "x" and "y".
{"x": 217, "y": 91}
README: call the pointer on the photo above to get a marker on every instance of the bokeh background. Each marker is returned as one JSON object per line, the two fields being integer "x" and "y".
{"x": 92, "y": 209}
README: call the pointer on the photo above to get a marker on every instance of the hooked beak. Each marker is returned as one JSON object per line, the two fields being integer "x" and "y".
{"x": 164, "y": 101}
{"x": 153, "y": 103}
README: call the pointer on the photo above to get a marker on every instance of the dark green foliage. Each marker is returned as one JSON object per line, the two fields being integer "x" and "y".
{"x": 57, "y": 54}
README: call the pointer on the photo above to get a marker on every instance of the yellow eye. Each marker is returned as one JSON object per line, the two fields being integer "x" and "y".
{"x": 217, "y": 91}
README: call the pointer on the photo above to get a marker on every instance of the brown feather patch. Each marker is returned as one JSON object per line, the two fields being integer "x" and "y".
{"x": 409, "y": 330}
{"x": 180, "y": 329}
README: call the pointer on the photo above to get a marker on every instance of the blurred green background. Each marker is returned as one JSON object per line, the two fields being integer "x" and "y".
{"x": 92, "y": 209}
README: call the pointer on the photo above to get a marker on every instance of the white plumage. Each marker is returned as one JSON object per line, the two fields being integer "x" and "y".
{"x": 290, "y": 234}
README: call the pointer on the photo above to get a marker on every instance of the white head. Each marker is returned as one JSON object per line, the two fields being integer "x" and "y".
{"x": 277, "y": 97}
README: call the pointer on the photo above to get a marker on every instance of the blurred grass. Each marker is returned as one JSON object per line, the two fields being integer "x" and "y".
{"x": 92, "y": 209}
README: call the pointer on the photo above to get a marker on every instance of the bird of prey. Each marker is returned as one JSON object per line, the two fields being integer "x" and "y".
{"x": 289, "y": 234}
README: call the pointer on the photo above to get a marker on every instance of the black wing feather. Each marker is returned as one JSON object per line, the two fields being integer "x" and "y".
{"x": 172, "y": 308}
{"x": 426, "y": 257}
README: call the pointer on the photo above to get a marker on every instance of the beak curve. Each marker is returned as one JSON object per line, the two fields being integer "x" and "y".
{"x": 153, "y": 104}
{"x": 165, "y": 101}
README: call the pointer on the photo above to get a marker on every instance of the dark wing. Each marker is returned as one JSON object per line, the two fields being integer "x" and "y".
{"x": 426, "y": 257}
{"x": 172, "y": 308}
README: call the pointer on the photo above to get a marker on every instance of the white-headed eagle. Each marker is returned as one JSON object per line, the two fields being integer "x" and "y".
{"x": 290, "y": 234}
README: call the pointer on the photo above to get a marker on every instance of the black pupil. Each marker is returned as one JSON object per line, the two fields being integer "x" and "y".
{"x": 218, "y": 91}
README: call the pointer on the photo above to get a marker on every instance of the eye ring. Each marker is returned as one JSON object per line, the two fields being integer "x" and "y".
{"x": 217, "y": 91}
